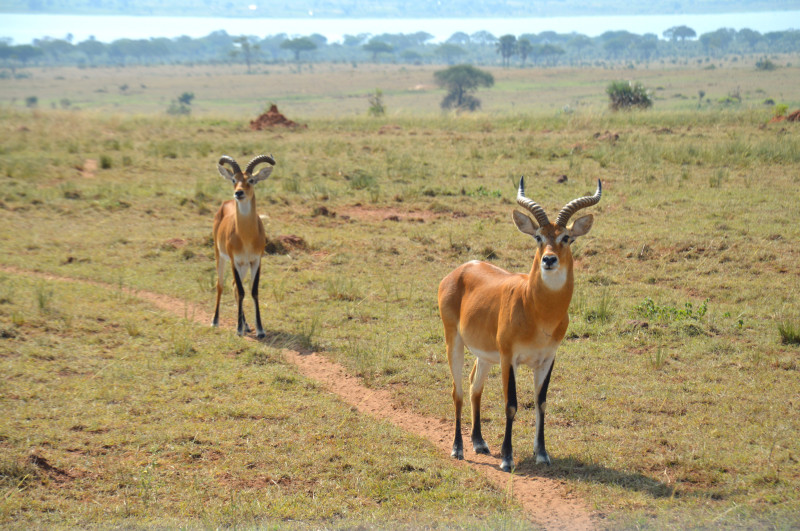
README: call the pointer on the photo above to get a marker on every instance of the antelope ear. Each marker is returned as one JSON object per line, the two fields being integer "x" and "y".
{"x": 226, "y": 173}
{"x": 524, "y": 223}
{"x": 263, "y": 174}
{"x": 581, "y": 226}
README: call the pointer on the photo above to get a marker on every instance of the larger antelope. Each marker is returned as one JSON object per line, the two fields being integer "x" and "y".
{"x": 239, "y": 236}
{"x": 512, "y": 319}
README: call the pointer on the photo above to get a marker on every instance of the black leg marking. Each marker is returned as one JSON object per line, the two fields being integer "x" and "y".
{"x": 458, "y": 442}
{"x": 240, "y": 327}
{"x": 511, "y": 411}
{"x": 259, "y": 329}
{"x": 478, "y": 444}
{"x": 539, "y": 447}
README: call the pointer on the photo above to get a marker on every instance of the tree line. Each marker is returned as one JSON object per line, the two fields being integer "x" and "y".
{"x": 545, "y": 49}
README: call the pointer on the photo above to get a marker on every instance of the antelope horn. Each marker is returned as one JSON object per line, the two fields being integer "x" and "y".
{"x": 577, "y": 204}
{"x": 258, "y": 160}
{"x": 530, "y": 205}
{"x": 235, "y": 165}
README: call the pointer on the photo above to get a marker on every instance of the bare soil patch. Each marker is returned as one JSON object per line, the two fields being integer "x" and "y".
{"x": 365, "y": 213}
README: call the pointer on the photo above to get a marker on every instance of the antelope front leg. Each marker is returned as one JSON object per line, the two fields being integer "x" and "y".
{"x": 241, "y": 326}
{"x": 510, "y": 392}
{"x": 542, "y": 382}
{"x": 255, "y": 273}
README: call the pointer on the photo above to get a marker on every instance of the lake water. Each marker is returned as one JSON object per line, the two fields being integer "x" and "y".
{"x": 23, "y": 29}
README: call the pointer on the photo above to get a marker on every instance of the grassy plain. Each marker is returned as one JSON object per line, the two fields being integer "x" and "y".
{"x": 674, "y": 398}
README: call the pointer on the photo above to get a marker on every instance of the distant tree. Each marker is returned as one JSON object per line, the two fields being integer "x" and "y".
{"x": 615, "y": 46}
{"x": 550, "y": 53}
{"x": 449, "y": 52}
{"x": 483, "y": 38}
{"x": 25, "y": 52}
{"x": 679, "y": 33}
{"x": 460, "y": 81}
{"x": 92, "y": 49}
{"x": 749, "y": 37}
{"x": 458, "y": 38}
{"x": 354, "y": 40}
{"x": 319, "y": 40}
{"x": 580, "y": 43}
{"x": 55, "y": 48}
{"x": 299, "y": 45}
{"x": 506, "y": 47}
{"x": 411, "y": 56}
{"x": 648, "y": 46}
{"x": 718, "y": 41}
{"x": 419, "y": 38}
{"x": 375, "y": 46}
{"x": 524, "y": 48}
{"x": 247, "y": 47}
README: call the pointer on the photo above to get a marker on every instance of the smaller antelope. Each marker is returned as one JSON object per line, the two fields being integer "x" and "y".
{"x": 512, "y": 319}
{"x": 239, "y": 236}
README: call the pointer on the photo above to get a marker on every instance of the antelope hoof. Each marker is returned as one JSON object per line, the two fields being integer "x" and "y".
{"x": 507, "y": 465}
{"x": 457, "y": 453}
{"x": 261, "y": 334}
{"x": 542, "y": 458}
{"x": 480, "y": 447}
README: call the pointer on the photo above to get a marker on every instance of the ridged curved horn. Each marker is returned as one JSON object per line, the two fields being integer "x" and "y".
{"x": 235, "y": 165}
{"x": 577, "y": 204}
{"x": 530, "y": 205}
{"x": 258, "y": 160}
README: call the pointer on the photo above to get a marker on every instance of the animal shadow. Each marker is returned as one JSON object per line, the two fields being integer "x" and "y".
{"x": 299, "y": 342}
{"x": 575, "y": 469}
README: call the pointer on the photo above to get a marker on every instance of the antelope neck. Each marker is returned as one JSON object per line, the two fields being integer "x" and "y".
{"x": 549, "y": 302}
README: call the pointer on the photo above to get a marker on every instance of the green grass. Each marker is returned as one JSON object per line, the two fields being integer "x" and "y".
{"x": 660, "y": 415}
{"x": 118, "y": 415}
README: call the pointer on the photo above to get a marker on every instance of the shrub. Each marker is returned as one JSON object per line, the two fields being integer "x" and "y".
{"x": 627, "y": 94}
{"x": 765, "y": 64}
{"x": 376, "y": 106}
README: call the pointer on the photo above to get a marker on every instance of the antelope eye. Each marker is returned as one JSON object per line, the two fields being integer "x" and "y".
{"x": 538, "y": 238}
{"x": 251, "y": 181}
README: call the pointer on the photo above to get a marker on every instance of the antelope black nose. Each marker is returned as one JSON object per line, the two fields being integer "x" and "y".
{"x": 239, "y": 194}
{"x": 549, "y": 261}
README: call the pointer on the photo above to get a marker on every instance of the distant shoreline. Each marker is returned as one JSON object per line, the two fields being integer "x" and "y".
{"x": 25, "y": 28}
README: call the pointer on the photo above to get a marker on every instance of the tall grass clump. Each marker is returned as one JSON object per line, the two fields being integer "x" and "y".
{"x": 790, "y": 333}
{"x": 627, "y": 94}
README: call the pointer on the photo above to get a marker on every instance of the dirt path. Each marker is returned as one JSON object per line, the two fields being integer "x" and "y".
{"x": 543, "y": 499}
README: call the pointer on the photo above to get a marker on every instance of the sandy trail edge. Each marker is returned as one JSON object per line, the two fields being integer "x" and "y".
{"x": 543, "y": 499}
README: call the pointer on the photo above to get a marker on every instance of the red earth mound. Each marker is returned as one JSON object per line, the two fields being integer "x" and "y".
{"x": 791, "y": 117}
{"x": 272, "y": 118}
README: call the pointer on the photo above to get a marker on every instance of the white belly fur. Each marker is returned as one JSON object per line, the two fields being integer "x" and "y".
{"x": 532, "y": 356}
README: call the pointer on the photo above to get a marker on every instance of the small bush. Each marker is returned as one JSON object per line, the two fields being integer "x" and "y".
{"x": 376, "y": 106}
{"x": 627, "y": 94}
{"x": 31, "y": 102}
{"x": 179, "y": 109}
{"x": 765, "y": 65}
